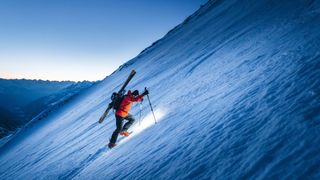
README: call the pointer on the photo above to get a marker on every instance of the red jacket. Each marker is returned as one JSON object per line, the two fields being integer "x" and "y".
{"x": 126, "y": 104}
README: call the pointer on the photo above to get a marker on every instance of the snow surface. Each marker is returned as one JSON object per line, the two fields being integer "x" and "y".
{"x": 236, "y": 91}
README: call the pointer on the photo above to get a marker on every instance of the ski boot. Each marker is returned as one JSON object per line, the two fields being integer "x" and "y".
{"x": 111, "y": 145}
{"x": 124, "y": 133}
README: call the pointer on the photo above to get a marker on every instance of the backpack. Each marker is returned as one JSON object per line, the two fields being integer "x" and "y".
{"x": 116, "y": 100}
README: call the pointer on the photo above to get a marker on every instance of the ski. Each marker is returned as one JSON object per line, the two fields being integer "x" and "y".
{"x": 104, "y": 115}
{"x": 133, "y": 72}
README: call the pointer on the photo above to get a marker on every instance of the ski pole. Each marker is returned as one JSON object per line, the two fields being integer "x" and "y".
{"x": 151, "y": 107}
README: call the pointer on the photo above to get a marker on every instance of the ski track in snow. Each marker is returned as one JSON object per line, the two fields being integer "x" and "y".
{"x": 236, "y": 92}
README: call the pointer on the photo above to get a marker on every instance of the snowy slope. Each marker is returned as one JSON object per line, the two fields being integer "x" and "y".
{"x": 236, "y": 93}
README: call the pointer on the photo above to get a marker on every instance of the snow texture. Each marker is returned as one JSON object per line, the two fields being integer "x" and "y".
{"x": 236, "y": 91}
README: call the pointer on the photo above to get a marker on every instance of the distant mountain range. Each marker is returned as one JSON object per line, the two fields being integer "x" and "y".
{"x": 22, "y": 99}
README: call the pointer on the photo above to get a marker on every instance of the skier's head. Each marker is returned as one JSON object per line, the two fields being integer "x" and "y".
{"x": 135, "y": 93}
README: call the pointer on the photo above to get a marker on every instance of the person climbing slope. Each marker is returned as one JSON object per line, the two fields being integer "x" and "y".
{"x": 122, "y": 113}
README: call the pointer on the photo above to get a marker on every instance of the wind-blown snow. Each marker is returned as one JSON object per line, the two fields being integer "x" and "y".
{"x": 236, "y": 90}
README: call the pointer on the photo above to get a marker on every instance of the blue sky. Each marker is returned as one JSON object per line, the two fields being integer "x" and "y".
{"x": 81, "y": 39}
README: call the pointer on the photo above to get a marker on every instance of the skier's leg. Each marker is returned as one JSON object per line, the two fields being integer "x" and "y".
{"x": 129, "y": 123}
{"x": 116, "y": 132}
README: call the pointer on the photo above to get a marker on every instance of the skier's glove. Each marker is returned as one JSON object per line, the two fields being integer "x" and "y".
{"x": 146, "y": 92}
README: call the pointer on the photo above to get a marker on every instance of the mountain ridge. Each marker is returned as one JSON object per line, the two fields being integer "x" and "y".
{"x": 23, "y": 99}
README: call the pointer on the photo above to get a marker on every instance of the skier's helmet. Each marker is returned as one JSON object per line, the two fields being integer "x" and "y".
{"x": 135, "y": 93}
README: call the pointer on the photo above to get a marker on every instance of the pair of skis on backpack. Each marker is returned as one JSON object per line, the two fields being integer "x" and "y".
{"x": 114, "y": 95}
{"x": 118, "y": 96}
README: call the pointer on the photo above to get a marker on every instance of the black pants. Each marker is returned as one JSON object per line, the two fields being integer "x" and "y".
{"x": 119, "y": 122}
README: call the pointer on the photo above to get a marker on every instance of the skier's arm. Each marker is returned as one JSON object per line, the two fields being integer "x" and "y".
{"x": 137, "y": 99}
{"x": 140, "y": 97}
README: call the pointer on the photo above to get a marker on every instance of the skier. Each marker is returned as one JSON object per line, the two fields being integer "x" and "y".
{"x": 123, "y": 113}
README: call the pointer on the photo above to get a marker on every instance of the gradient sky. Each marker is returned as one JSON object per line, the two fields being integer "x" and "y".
{"x": 81, "y": 39}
